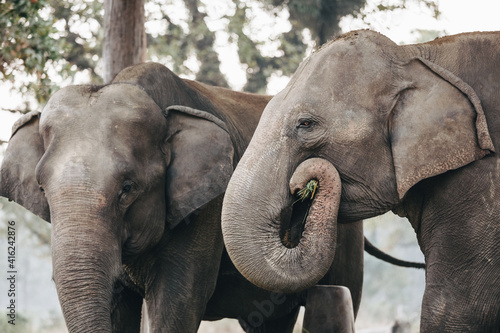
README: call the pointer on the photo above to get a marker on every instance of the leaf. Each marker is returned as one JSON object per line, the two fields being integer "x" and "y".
{"x": 308, "y": 191}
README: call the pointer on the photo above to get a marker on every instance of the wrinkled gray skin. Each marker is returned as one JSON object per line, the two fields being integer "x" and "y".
{"x": 412, "y": 129}
{"x": 131, "y": 176}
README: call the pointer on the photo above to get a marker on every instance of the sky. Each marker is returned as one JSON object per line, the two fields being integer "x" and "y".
{"x": 457, "y": 16}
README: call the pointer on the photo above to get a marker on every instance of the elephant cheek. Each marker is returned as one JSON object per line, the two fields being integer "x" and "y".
{"x": 145, "y": 227}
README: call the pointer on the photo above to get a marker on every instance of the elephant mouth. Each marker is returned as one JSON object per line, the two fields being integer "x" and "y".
{"x": 294, "y": 218}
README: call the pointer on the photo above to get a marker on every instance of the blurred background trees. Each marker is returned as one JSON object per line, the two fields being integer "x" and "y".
{"x": 47, "y": 42}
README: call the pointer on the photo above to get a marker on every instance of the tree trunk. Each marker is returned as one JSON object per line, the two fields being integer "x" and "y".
{"x": 124, "y": 36}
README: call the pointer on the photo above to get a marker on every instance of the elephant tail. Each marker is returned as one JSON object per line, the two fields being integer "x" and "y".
{"x": 377, "y": 253}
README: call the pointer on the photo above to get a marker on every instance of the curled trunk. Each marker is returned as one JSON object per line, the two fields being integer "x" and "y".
{"x": 278, "y": 243}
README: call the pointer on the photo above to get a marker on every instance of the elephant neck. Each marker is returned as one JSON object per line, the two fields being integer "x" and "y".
{"x": 412, "y": 207}
{"x": 238, "y": 110}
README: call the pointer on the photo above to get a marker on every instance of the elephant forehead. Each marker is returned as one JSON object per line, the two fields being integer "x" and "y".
{"x": 348, "y": 121}
{"x": 130, "y": 97}
{"x": 119, "y": 104}
{"x": 352, "y": 126}
{"x": 342, "y": 85}
{"x": 64, "y": 100}
{"x": 344, "y": 70}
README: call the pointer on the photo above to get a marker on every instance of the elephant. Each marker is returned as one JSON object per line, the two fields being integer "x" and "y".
{"x": 411, "y": 129}
{"x": 131, "y": 176}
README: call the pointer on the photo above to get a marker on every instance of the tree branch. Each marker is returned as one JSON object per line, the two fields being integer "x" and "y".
{"x": 14, "y": 111}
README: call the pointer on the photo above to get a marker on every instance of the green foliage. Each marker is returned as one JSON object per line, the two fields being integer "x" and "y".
{"x": 40, "y": 41}
{"x": 47, "y": 41}
{"x": 169, "y": 43}
{"x": 248, "y": 51}
{"x": 28, "y": 45}
{"x": 308, "y": 191}
{"x": 259, "y": 67}
{"x": 21, "y": 325}
{"x": 391, "y": 6}
{"x": 321, "y": 17}
{"x": 423, "y": 36}
{"x": 202, "y": 40}
{"x": 81, "y": 24}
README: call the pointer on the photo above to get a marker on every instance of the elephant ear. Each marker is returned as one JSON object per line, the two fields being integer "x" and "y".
{"x": 201, "y": 161}
{"x": 437, "y": 125}
{"x": 17, "y": 175}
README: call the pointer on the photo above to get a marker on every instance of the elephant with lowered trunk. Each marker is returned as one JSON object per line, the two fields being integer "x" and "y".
{"x": 412, "y": 129}
{"x": 131, "y": 176}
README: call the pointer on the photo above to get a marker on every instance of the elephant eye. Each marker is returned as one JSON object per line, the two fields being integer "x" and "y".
{"x": 305, "y": 123}
{"x": 126, "y": 188}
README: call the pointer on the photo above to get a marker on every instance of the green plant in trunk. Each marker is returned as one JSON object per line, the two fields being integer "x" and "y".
{"x": 308, "y": 191}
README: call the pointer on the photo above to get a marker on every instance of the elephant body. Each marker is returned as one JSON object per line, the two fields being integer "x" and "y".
{"x": 413, "y": 129}
{"x": 131, "y": 175}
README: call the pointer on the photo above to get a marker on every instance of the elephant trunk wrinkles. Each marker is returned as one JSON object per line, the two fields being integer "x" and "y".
{"x": 253, "y": 225}
{"x": 86, "y": 259}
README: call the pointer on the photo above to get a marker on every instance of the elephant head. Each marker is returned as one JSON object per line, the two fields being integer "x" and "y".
{"x": 114, "y": 168}
{"x": 381, "y": 115}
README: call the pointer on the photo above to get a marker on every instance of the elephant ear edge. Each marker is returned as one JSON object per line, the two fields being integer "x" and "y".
{"x": 437, "y": 125}
{"x": 200, "y": 161}
{"x": 17, "y": 173}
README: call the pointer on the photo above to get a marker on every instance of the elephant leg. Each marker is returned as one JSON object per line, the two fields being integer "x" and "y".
{"x": 127, "y": 309}
{"x": 347, "y": 268}
{"x": 184, "y": 275}
{"x": 283, "y": 324}
{"x": 455, "y": 307}
{"x": 329, "y": 309}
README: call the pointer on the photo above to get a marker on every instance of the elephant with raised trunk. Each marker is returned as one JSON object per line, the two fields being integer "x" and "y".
{"x": 380, "y": 127}
{"x": 131, "y": 175}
